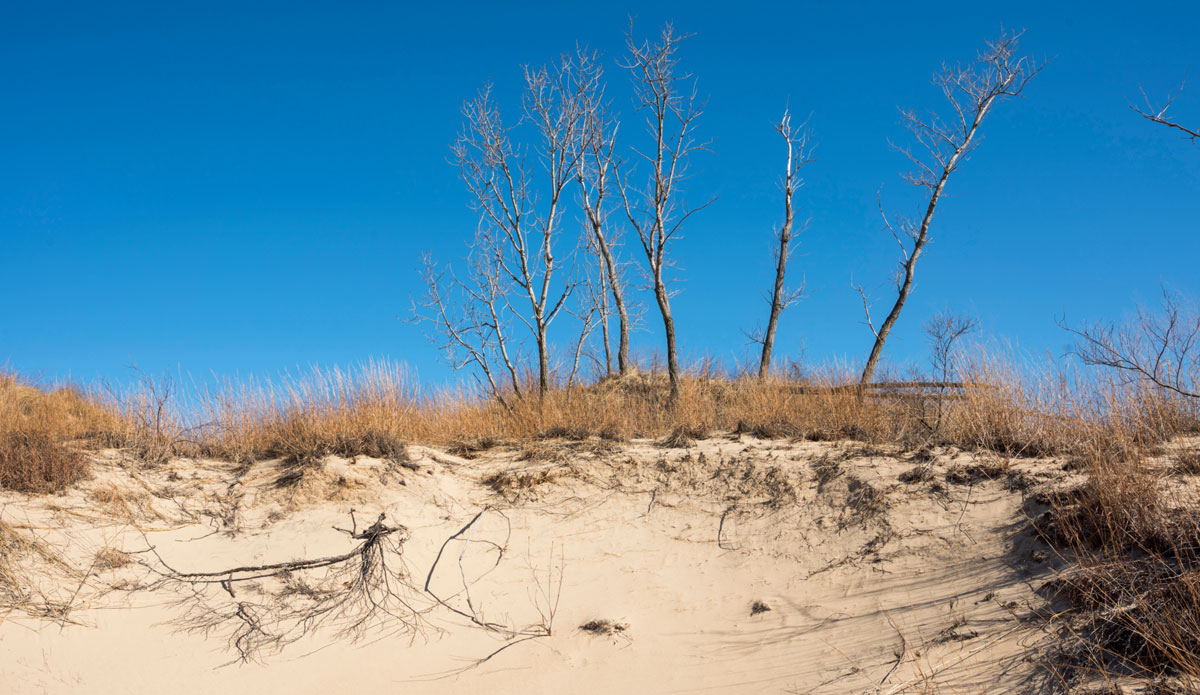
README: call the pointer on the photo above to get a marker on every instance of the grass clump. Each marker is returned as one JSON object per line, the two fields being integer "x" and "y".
{"x": 33, "y": 462}
{"x": 42, "y": 431}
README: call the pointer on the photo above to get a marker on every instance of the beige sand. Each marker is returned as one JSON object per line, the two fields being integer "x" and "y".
{"x": 872, "y": 584}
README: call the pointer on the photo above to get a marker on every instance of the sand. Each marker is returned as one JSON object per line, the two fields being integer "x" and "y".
{"x": 734, "y": 565}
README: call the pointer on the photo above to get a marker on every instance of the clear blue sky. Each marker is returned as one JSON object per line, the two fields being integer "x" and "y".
{"x": 245, "y": 188}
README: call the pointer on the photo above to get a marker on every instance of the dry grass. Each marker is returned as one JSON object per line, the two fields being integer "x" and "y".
{"x": 25, "y": 560}
{"x": 41, "y": 431}
{"x": 1131, "y": 535}
{"x": 374, "y": 410}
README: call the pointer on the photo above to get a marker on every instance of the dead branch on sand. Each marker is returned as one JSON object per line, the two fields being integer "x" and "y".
{"x": 546, "y": 602}
{"x": 358, "y": 592}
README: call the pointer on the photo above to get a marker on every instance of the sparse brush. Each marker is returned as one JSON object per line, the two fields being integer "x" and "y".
{"x": 517, "y": 484}
{"x": 26, "y": 560}
{"x": 682, "y": 437}
{"x": 865, "y": 504}
{"x": 975, "y": 473}
{"x": 919, "y": 473}
{"x": 1187, "y": 461}
{"x": 111, "y": 558}
{"x": 604, "y": 626}
{"x": 825, "y": 470}
{"x": 471, "y": 447}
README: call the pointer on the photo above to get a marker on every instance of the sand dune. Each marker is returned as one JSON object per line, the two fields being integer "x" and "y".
{"x": 734, "y": 565}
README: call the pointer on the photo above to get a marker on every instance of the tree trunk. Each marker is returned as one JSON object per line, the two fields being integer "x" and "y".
{"x": 910, "y": 265}
{"x": 543, "y": 362}
{"x": 664, "y": 306}
{"x": 610, "y": 266}
{"x": 777, "y": 299}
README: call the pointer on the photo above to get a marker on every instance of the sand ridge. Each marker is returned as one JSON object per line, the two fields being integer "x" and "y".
{"x": 732, "y": 564}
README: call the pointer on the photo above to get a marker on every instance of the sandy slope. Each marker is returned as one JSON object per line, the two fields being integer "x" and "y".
{"x": 873, "y": 584}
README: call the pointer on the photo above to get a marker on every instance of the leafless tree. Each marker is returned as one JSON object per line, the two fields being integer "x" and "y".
{"x": 972, "y": 90}
{"x": 520, "y": 203}
{"x": 595, "y": 173}
{"x": 798, "y": 154}
{"x": 945, "y": 330}
{"x": 655, "y": 208}
{"x": 1159, "y": 114}
{"x": 604, "y": 311}
{"x": 1160, "y": 348}
{"x": 468, "y": 317}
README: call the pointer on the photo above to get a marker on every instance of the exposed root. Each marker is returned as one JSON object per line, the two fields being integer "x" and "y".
{"x": 353, "y": 593}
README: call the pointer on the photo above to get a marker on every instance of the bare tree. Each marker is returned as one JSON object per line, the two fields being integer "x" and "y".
{"x": 945, "y": 330}
{"x": 595, "y": 173}
{"x": 798, "y": 154}
{"x": 468, "y": 317}
{"x": 1159, "y": 114}
{"x": 672, "y": 106}
{"x": 1161, "y": 348}
{"x": 972, "y": 90}
{"x": 520, "y": 205}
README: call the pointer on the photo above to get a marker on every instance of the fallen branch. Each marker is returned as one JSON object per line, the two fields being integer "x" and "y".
{"x": 358, "y": 591}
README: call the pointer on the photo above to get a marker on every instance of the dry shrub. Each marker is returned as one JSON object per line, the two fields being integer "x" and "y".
{"x": 32, "y": 462}
{"x": 614, "y": 433}
{"x": 542, "y": 451}
{"x": 470, "y": 448}
{"x": 919, "y": 473}
{"x": 975, "y": 473}
{"x": 111, "y": 559}
{"x": 1135, "y": 577}
{"x": 683, "y": 437}
{"x": 1187, "y": 461}
{"x": 865, "y": 504}
{"x": 825, "y": 471}
{"x": 746, "y": 480}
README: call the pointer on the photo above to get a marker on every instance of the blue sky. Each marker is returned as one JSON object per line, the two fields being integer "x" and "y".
{"x": 246, "y": 188}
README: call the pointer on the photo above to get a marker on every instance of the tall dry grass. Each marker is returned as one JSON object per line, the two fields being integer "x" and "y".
{"x": 1018, "y": 410}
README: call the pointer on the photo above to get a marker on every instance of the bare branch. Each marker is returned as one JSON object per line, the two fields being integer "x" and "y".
{"x": 1158, "y": 348}
{"x": 1159, "y": 114}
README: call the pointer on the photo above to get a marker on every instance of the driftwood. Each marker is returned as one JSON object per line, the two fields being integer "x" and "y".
{"x": 359, "y": 590}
